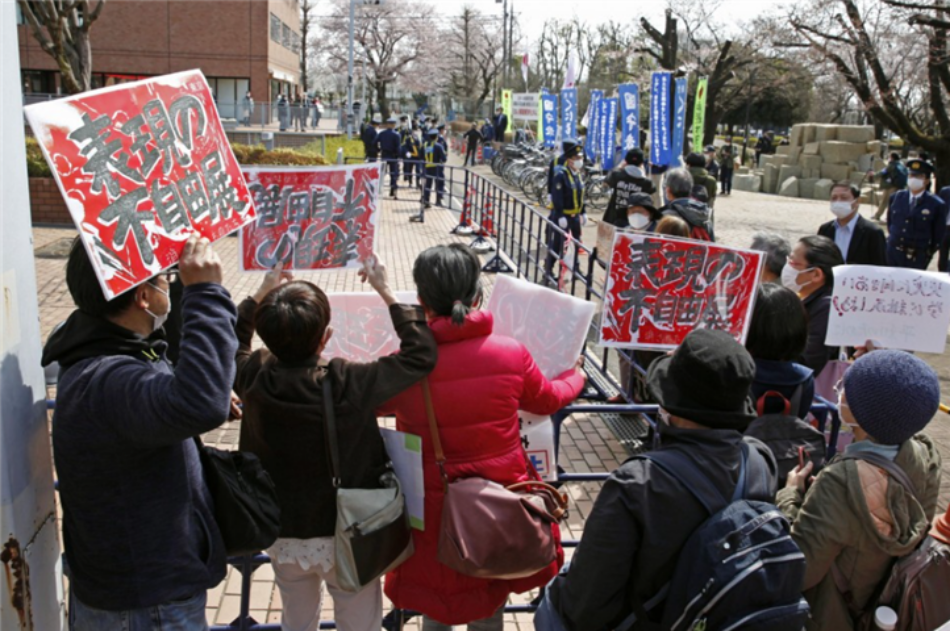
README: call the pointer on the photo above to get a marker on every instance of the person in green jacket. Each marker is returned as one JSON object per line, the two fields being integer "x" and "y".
{"x": 854, "y": 519}
{"x": 696, "y": 165}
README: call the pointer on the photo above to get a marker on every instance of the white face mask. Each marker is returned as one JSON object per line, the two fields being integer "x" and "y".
{"x": 578, "y": 164}
{"x": 159, "y": 320}
{"x": 638, "y": 221}
{"x": 841, "y": 209}
{"x": 790, "y": 277}
{"x": 916, "y": 184}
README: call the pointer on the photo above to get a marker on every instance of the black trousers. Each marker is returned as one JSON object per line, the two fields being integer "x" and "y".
{"x": 472, "y": 151}
{"x": 725, "y": 177}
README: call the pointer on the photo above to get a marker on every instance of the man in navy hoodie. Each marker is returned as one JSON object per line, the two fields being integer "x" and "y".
{"x": 141, "y": 543}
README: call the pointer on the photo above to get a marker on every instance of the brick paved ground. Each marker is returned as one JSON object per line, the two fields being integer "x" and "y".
{"x": 586, "y": 443}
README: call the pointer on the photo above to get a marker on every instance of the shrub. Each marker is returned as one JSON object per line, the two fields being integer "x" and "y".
{"x": 351, "y": 148}
{"x": 36, "y": 165}
{"x": 257, "y": 154}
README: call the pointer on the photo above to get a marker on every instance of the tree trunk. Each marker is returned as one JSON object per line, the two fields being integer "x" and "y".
{"x": 942, "y": 167}
{"x": 382, "y": 99}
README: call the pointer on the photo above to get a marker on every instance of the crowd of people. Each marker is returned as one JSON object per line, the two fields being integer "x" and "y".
{"x": 140, "y": 537}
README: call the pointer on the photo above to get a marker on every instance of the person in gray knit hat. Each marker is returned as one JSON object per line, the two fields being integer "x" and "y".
{"x": 857, "y": 516}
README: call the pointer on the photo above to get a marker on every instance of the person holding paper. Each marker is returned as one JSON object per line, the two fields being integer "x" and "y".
{"x": 860, "y": 241}
{"x": 857, "y": 517}
{"x": 808, "y": 272}
{"x": 479, "y": 383}
{"x": 282, "y": 389}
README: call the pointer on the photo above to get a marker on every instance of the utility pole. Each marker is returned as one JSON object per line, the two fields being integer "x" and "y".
{"x": 350, "y": 115}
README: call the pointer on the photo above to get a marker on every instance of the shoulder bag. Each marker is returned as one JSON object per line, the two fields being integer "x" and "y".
{"x": 372, "y": 527}
{"x": 492, "y": 531}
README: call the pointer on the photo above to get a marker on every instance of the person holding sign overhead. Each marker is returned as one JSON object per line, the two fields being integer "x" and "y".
{"x": 916, "y": 220}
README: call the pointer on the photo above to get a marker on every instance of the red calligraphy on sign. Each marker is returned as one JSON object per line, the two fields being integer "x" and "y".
{"x": 311, "y": 218}
{"x": 659, "y": 289}
{"x": 142, "y": 166}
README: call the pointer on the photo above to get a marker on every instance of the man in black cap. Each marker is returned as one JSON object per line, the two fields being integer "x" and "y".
{"x": 569, "y": 148}
{"x": 711, "y": 165}
{"x": 643, "y": 515}
{"x": 626, "y": 180}
{"x": 916, "y": 220}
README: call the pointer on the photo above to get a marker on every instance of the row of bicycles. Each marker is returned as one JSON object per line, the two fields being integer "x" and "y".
{"x": 525, "y": 166}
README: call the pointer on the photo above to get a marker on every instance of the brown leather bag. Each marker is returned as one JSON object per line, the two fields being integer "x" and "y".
{"x": 492, "y": 531}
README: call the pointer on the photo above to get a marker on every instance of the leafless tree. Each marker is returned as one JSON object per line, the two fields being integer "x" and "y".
{"x": 306, "y": 22}
{"x": 894, "y": 55}
{"x": 62, "y": 29}
{"x": 473, "y": 57}
{"x": 394, "y": 41}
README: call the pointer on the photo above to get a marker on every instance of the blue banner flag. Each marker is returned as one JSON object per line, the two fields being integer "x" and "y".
{"x": 590, "y": 147}
{"x": 660, "y": 149}
{"x": 549, "y": 119}
{"x": 679, "y": 121}
{"x": 569, "y": 113}
{"x": 607, "y": 129}
{"x": 629, "y": 116}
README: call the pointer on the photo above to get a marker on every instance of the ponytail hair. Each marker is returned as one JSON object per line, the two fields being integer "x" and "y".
{"x": 448, "y": 280}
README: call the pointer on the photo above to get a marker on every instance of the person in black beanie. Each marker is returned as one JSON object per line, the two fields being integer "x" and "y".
{"x": 857, "y": 517}
{"x": 643, "y": 516}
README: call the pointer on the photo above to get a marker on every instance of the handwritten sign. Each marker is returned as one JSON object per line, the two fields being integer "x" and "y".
{"x": 553, "y": 327}
{"x": 311, "y": 218}
{"x": 524, "y": 106}
{"x": 362, "y": 327}
{"x": 894, "y": 307}
{"x": 141, "y": 167}
{"x": 661, "y": 288}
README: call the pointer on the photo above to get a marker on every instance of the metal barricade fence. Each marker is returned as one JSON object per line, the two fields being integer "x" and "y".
{"x": 517, "y": 237}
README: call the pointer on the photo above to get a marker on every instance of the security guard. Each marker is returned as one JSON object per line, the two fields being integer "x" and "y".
{"x": 370, "y": 148}
{"x": 440, "y": 180}
{"x": 569, "y": 145}
{"x": 389, "y": 144}
{"x": 434, "y": 159}
{"x": 412, "y": 155}
{"x": 916, "y": 220}
{"x": 569, "y": 213}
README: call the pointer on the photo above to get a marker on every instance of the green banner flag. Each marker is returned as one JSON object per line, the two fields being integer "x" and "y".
{"x": 506, "y": 104}
{"x": 699, "y": 115}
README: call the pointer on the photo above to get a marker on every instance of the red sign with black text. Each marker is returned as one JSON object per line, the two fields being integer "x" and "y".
{"x": 659, "y": 289}
{"x": 311, "y": 218}
{"x": 141, "y": 167}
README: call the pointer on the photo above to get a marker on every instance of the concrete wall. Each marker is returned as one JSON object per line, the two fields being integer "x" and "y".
{"x": 29, "y": 545}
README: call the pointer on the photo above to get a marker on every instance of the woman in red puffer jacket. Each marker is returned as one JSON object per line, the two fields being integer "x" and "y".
{"x": 480, "y": 382}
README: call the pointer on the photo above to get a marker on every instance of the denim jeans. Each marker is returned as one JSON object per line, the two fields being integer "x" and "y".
{"x": 178, "y": 615}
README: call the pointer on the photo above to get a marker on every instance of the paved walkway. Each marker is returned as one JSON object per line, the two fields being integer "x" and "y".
{"x": 586, "y": 443}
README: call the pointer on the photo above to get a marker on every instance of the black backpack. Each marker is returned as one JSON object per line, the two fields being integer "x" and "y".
{"x": 740, "y": 570}
{"x": 785, "y": 435}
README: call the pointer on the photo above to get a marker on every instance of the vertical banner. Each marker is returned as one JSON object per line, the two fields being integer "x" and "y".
{"x": 311, "y": 217}
{"x": 549, "y": 119}
{"x": 660, "y": 150}
{"x": 607, "y": 128}
{"x": 699, "y": 114}
{"x": 506, "y": 104}
{"x": 569, "y": 113}
{"x": 629, "y": 116}
{"x": 590, "y": 146}
{"x": 659, "y": 289}
{"x": 141, "y": 167}
{"x": 679, "y": 121}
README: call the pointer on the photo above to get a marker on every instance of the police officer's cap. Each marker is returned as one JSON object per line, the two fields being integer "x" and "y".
{"x": 570, "y": 152}
{"x": 432, "y": 132}
{"x": 920, "y": 166}
{"x": 377, "y": 118}
{"x": 403, "y": 118}
{"x": 441, "y": 126}
{"x": 568, "y": 144}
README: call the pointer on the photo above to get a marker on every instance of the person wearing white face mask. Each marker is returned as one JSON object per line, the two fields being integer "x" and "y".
{"x": 569, "y": 213}
{"x": 808, "y": 272}
{"x": 642, "y": 215}
{"x": 860, "y": 241}
{"x": 916, "y": 220}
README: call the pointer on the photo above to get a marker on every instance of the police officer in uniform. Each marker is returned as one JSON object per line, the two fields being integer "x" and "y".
{"x": 916, "y": 220}
{"x": 412, "y": 154}
{"x": 568, "y": 146}
{"x": 389, "y": 144}
{"x": 434, "y": 156}
{"x": 569, "y": 213}
{"x": 370, "y": 148}
{"x": 440, "y": 180}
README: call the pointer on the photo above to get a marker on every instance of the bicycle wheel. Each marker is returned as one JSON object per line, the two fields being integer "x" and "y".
{"x": 598, "y": 194}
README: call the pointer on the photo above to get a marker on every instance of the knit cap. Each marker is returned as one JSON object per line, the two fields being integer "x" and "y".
{"x": 892, "y": 395}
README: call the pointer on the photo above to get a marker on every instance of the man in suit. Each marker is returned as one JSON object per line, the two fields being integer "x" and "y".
{"x": 501, "y": 126}
{"x": 916, "y": 220}
{"x": 860, "y": 241}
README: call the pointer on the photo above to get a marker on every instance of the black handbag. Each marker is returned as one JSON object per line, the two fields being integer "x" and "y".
{"x": 245, "y": 499}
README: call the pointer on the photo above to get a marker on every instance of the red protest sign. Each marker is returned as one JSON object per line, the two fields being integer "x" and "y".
{"x": 311, "y": 217}
{"x": 659, "y": 289}
{"x": 142, "y": 166}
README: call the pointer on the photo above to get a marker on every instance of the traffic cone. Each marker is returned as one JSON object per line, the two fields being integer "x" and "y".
{"x": 488, "y": 225}
{"x": 465, "y": 220}
{"x": 941, "y": 528}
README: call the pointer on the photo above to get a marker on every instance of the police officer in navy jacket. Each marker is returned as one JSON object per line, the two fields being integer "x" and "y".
{"x": 434, "y": 156}
{"x": 916, "y": 220}
{"x": 389, "y": 144}
{"x": 569, "y": 213}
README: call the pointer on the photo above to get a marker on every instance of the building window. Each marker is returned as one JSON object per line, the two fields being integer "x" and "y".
{"x": 275, "y": 24}
{"x": 286, "y": 39}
